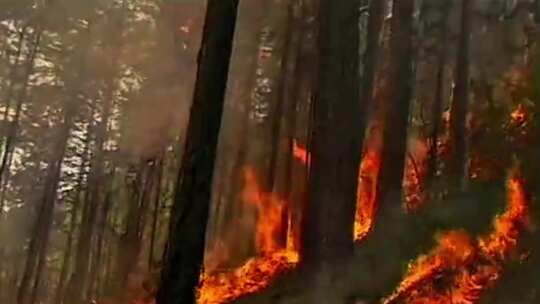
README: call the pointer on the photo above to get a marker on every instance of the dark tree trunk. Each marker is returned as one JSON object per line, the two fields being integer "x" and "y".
{"x": 398, "y": 93}
{"x": 284, "y": 141}
{"x": 371, "y": 55}
{"x": 437, "y": 106}
{"x": 537, "y": 11}
{"x": 333, "y": 171}
{"x": 457, "y": 165}
{"x": 103, "y": 222}
{"x": 131, "y": 241}
{"x": 185, "y": 249}
{"x": 160, "y": 162}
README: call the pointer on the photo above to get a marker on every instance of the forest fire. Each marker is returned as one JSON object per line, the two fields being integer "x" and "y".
{"x": 367, "y": 187}
{"x": 274, "y": 258}
{"x": 466, "y": 267}
{"x": 367, "y": 183}
{"x": 253, "y": 276}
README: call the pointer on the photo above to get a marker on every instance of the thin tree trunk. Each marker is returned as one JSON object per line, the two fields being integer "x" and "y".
{"x": 185, "y": 249}
{"x": 78, "y": 286}
{"x": 67, "y": 258}
{"x": 457, "y": 165}
{"x": 14, "y": 125}
{"x": 333, "y": 172}
{"x": 93, "y": 286}
{"x": 437, "y": 106}
{"x": 131, "y": 241}
{"x": 5, "y": 161}
{"x": 50, "y": 194}
{"x": 12, "y": 78}
{"x": 156, "y": 212}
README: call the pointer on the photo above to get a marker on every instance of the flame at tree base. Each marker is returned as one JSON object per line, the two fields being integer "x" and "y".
{"x": 255, "y": 275}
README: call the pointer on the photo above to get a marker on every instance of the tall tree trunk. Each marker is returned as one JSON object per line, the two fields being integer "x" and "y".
{"x": 14, "y": 125}
{"x": 12, "y": 81}
{"x": 333, "y": 171}
{"x": 74, "y": 214}
{"x": 437, "y": 106}
{"x": 284, "y": 141}
{"x": 185, "y": 248}
{"x": 37, "y": 236}
{"x": 44, "y": 224}
{"x": 160, "y": 162}
{"x": 77, "y": 289}
{"x": 457, "y": 165}
{"x": 371, "y": 55}
{"x": 398, "y": 93}
{"x": 131, "y": 240}
{"x": 4, "y": 127}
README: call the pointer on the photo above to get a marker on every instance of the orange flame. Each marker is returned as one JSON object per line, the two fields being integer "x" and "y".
{"x": 259, "y": 272}
{"x": 366, "y": 204}
{"x": 255, "y": 275}
{"x": 270, "y": 213}
{"x": 519, "y": 115}
{"x": 470, "y": 267}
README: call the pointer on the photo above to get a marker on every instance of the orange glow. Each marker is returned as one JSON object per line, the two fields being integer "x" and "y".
{"x": 366, "y": 204}
{"x": 255, "y": 275}
{"x": 272, "y": 260}
{"x": 300, "y": 153}
{"x": 270, "y": 213}
{"x": 468, "y": 267}
{"x": 365, "y": 194}
{"x": 519, "y": 115}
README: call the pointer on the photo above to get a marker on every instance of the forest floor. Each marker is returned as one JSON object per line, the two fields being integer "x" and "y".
{"x": 381, "y": 260}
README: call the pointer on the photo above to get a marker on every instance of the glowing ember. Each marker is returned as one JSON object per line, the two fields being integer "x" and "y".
{"x": 519, "y": 115}
{"x": 300, "y": 153}
{"x": 467, "y": 268}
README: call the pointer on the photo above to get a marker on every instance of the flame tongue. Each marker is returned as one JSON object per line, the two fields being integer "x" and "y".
{"x": 253, "y": 276}
{"x": 272, "y": 260}
{"x": 470, "y": 267}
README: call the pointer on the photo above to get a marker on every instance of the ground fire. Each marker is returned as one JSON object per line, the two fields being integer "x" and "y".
{"x": 273, "y": 260}
{"x": 467, "y": 266}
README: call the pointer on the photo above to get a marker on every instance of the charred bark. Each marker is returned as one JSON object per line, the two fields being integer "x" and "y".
{"x": 185, "y": 249}
{"x": 398, "y": 99}
{"x": 333, "y": 173}
{"x": 457, "y": 165}
{"x": 371, "y": 55}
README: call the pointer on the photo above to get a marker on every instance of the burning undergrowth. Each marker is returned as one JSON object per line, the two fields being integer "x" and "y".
{"x": 460, "y": 269}
{"x": 273, "y": 257}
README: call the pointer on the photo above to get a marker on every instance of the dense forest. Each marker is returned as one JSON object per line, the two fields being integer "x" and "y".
{"x": 269, "y": 151}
